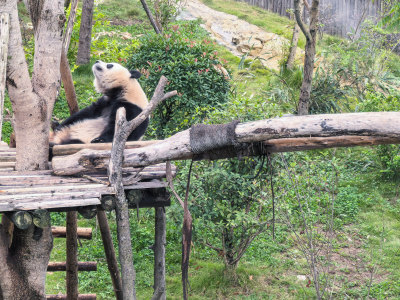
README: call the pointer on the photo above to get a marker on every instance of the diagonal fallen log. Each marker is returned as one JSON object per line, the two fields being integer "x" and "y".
{"x": 123, "y": 128}
{"x": 273, "y": 135}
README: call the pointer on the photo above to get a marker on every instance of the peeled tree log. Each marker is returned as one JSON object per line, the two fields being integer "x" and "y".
{"x": 380, "y": 127}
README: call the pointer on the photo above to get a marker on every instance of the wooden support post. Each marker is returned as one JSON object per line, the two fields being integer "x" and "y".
{"x": 4, "y": 33}
{"x": 159, "y": 254}
{"x": 110, "y": 253}
{"x": 72, "y": 256}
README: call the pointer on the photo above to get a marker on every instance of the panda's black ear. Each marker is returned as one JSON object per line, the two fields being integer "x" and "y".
{"x": 135, "y": 74}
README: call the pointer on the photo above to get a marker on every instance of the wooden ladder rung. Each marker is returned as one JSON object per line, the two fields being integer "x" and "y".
{"x": 62, "y": 266}
{"x": 80, "y": 297}
{"x": 61, "y": 232}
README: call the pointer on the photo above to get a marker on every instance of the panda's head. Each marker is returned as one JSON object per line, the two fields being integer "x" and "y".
{"x": 108, "y": 76}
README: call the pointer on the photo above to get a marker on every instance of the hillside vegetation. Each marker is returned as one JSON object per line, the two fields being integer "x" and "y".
{"x": 343, "y": 204}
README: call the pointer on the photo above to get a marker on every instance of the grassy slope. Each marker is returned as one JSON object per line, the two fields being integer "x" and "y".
{"x": 269, "y": 269}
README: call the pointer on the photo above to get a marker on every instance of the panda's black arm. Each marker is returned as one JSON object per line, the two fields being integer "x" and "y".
{"x": 91, "y": 112}
{"x": 132, "y": 111}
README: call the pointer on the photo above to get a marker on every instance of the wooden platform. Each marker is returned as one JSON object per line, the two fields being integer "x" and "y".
{"x": 32, "y": 190}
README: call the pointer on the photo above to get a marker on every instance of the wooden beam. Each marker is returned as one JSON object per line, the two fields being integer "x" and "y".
{"x": 148, "y": 198}
{"x": 381, "y": 127}
{"x": 61, "y": 232}
{"x": 62, "y": 266}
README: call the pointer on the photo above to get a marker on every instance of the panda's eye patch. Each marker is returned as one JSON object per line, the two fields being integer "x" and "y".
{"x": 109, "y": 66}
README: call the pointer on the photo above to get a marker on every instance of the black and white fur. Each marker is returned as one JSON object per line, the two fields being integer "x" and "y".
{"x": 96, "y": 123}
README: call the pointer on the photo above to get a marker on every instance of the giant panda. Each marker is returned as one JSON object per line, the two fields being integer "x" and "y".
{"x": 96, "y": 123}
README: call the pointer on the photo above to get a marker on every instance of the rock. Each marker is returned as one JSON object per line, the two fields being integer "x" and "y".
{"x": 301, "y": 277}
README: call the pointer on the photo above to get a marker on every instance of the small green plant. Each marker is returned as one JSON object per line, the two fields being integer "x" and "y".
{"x": 327, "y": 93}
{"x": 230, "y": 206}
{"x": 165, "y": 11}
{"x": 192, "y": 67}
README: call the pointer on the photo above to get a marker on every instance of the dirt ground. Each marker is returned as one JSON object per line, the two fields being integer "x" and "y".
{"x": 237, "y": 35}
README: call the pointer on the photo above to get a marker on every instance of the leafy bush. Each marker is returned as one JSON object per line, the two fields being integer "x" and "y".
{"x": 388, "y": 155}
{"x": 192, "y": 68}
{"x": 362, "y": 62}
{"x": 229, "y": 206}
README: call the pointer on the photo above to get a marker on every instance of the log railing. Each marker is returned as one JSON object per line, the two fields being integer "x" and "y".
{"x": 284, "y": 134}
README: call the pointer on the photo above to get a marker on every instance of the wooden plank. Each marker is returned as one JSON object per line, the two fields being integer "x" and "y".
{"x": 27, "y": 173}
{"x": 77, "y": 195}
{"x": 7, "y": 164}
{"x": 4, "y": 33}
{"x": 52, "y": 204}
{"x": 7, "y": 158}
{"x": 54, "y": 189}
{"x": 5, "y": 149}
{"x": 8, "y": 183}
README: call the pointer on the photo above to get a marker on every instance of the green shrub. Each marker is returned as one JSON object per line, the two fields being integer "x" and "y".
{"x": 230, "y": 205}
{"x": 192, "y": 68}
{"x": 388, "y": 155}
{"x": 327, "y": 93}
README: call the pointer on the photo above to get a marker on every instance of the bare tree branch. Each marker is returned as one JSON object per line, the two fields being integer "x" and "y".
{"x": 122, "y": 130}
{"x": 150, "y": 16}
{"x": 303, "y": 27}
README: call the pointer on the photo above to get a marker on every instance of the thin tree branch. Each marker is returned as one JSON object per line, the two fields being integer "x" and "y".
{"x": 303, "y": 27}
{"x": 150, "y": 16}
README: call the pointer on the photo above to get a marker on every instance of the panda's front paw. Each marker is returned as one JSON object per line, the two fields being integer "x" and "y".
{"x": 98, "y": 140}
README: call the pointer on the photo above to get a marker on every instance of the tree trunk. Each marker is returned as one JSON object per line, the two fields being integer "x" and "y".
{"x": 311, "y": 39}
{"x": 156, "y": 27}
{"x": 24, "y": 263}
{"x": 85, "y": 34}
{"x": 293, "y": 43}
{"x": 305, "y": 91}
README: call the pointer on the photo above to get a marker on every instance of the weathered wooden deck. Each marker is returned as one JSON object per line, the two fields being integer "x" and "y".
{"x": 31, "y": 190}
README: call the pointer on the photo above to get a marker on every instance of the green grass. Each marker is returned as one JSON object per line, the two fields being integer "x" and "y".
{"x": 123, "y": 10}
